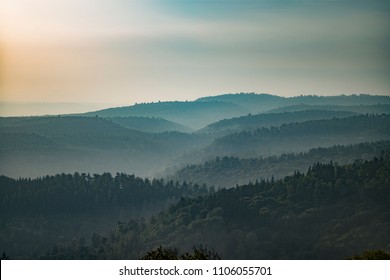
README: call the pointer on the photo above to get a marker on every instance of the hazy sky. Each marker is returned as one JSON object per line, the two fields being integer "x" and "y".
{"x": 126, "y": 51}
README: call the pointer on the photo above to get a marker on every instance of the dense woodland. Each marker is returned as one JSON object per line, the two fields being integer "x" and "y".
{"x": 46, "y": 210}
{"x": 83, "y": 193}
{"x": 268, "y": 120}
{"x": 331, "y": 212}
{"x": 301, "y": 136}
{"x": 231, "y": 171}
{"x": 245, "y": 176}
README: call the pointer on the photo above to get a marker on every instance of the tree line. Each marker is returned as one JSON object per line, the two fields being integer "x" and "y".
{"x": 331, "y": 212}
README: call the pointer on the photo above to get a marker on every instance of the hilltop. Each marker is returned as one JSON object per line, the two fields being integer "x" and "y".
{"x": 206, "y": 110}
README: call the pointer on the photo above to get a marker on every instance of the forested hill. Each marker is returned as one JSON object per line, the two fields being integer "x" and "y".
{"x": 39, "y": 213}
{"x": 37, "y": 146}
{"x": 297, "y": 137}
{"x": 204, "y": 111}
{"x": 344, "y": 100}
{"x": 194, "y": 115}
{"x": 58, "y": 126}
{"x": 232, "y": 171}
{"x": 331, "y": 212}
{"x": 253, "y": 103}
{"x": 96, "y": 194}
{"x": 149, "y": 124}
{"x": 360, "y": 109}
{"x": 263, "y": 102}
{"x": 252, "y": 122}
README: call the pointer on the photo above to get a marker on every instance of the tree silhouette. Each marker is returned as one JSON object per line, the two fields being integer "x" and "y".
{"x": 198, "y": 253}
{"x": 372, "y": 255}
{"x": 4, "y": 256}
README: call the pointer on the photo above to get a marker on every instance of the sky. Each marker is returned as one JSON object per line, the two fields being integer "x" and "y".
{"x": 127, "y": 51}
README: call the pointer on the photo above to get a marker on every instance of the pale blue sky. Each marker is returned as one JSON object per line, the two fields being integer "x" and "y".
{"x": 122, "y": 52}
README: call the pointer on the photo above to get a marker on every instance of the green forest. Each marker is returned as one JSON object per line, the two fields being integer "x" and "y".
{"x": 46, "y": 210}
{"x": 331, "y": 212}
{"x": 230, "y": 171}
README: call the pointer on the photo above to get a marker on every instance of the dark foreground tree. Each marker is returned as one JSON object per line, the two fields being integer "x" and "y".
{"x": 372, "y": 255}
{"x": 4, "y": 256}
{"x": 198, "y": 253}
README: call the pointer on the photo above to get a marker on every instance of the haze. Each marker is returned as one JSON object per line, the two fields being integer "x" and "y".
{"x": 124, "y": 52}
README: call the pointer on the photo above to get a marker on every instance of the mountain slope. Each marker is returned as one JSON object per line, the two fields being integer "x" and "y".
{"x": 39, "y": 213}
{"x": 258, "y": 103}
{"x": 343, "y": 100}
{"x": 252, "y": 102}
{"x": 360, "y": 109}
{"x": 62, "y": 126}
{"x": 252, "y": 122}
{"x": 297, "y": 137}
{"x": 232, "y": 171}
{"x": 204, "y": 111}
{"x": 39, "y": 146}
{"x": 331, "y": 212}
{"x": 149, "y": 124}
{"x": 48, "y": 145}
{"x": 191, "y": 114}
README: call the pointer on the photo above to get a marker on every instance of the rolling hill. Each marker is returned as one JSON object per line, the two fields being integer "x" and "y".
{"x": 232, "y": 171}
{"x": 204, "y": 111}
{"x": 149, "y": 124}
{"x": 36, "y": 146}
{"x": 253, "y": 122}
{"x": 360, "y": 109}
{"x": 331, "y": 212}
{"x": 302, "y": 136}
{"x": 194, "y": 115}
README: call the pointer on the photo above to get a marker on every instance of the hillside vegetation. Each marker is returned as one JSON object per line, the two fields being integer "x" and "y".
{"x": 194, "y": 115}
{"x": 38, "y": 146}
{"x": 232, "y": 171}
{"x": 204, "y": 111}
{"x": 253, "y": 122}
{"x": 39, "y": 213}
{"x": 331, "y": 212}
{"x": 149, "y": 124}
{"x": 301, "y": 136}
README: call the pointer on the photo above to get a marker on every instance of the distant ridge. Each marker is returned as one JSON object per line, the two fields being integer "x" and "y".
{"x": 252, "y": 122}
{"x": 203, "y": 111}
{"x": 149, "y": 124}
{"x": 258, "y": 101}
{"x": 347, "y": 100}
{"x": 363, "y": 109}
{"x": 191, "y": 114}
{"x": 232, "y": 171}
{"x": 301, "y": 136}
{"x": 146, "y": 138}
{"x": 13, "y": 109}
{"x": 253, "y": 102}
